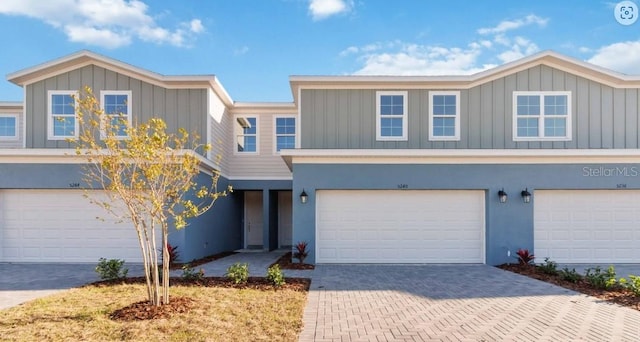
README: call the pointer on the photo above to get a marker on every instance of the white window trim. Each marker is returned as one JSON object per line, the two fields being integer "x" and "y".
{"x": 405, "y": 116}
{"x": 456, "y": 136}
{"x": 50, "y": 135}
{"x": 16, "y": 136}
{"x": 235, "y": 136}
{"x": 542, "y": 94}
{"x": 103, "y": 93}
{"x": 275, "y": 131}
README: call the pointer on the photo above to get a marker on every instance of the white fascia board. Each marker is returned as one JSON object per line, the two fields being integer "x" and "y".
{"x": 461, "y": 156}
{"x": 11, "y": 105}
{"x": 264, "y": 108}
{"x": 69, "y": 156}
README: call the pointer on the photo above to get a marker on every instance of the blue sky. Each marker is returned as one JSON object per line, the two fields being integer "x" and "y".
{"x": 252, "y": 46}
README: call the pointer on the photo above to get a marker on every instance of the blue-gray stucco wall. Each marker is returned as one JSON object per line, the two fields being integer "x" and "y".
{"x": 509, "y": 226}
{"x": 218, "y": 230}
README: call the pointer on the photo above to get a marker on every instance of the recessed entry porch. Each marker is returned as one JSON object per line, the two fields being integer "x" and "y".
{"x": 267, "y": 219}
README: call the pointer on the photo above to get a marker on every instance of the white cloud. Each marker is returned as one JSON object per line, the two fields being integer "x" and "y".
{"x": 622, "y": 57}
{"x": 413, "y": 59}
{"x": 509, "y": 25}
{"x": 403, "y": 58}
{"x": 106, "y": 23}
{"x": 322, "y": 9}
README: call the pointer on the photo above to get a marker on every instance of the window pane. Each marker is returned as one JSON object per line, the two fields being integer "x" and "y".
{"x": 251, "y": 129}
{"x": 444, "y": 127}
{"x": 528, "y": 105}
{"x": 246, "y": 143}
{"x": 119, "y": 125}
{"x": 555, "y": 105}
{"x": 285, "y": 126}
{"x": 115, "y": 104}
{"x": 527, "y": 127}
{"x": 391, "y": 127}
{"x": 391, "y": 105}
{"x": 444, "y": 105}
{"x": 63, "y": 126}
{"x": 62, "y": 105}
{"x": 285, "y": 142}
{"x": 7, "y": 127}
{"x": 555, "y": 127}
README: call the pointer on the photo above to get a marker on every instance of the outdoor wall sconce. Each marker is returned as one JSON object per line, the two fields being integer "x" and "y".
{"x": 526, "y": 195}
{"x": 303, "y": 197}
{"x": 502, "y": 196}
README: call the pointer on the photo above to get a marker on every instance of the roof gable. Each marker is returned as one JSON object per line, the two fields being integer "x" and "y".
{"x": 548, "y": 58}
{"x": 84, "y": 58}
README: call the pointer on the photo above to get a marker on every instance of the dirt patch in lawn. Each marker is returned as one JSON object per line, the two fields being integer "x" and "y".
{"x": 286, "y": 263}
{"x": 616, "y": 294}
{"x": 145, "y": 311}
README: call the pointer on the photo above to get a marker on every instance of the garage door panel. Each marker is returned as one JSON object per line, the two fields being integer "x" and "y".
{"x": 602, "y": 227}
{"x": 60, "y": 226}
{"x": 400, "y": 226}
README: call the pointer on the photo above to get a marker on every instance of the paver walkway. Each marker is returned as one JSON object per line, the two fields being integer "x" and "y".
{"x": 454, "y": 303}
{"x": 396, "y": 302}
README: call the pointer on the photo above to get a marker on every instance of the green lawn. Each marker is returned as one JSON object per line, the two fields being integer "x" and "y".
{"x": 218, "y": 314}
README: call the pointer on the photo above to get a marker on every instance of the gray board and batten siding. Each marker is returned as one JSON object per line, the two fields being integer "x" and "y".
{"x": 185, "y": 108}
{"x": 602, "y": 117}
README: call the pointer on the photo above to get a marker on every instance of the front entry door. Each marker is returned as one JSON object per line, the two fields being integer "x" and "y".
{"x": 253, "y": 219}
{"x": 285, "y": 218}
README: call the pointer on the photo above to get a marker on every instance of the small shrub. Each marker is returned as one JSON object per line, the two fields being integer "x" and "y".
{"x": 524, "y": 257}
{"x": 599, "y": 279}
{"x": 549, "y": 267}
{"x": 111, "y": 269}
{"x": 570, "y": 275}
{"x": 188, "y": 273}
{"x": 301, "y": 252}
{"x": 275, "y": 275}
{"x": 238, "y": 273}
{"x": 633, "y": 284}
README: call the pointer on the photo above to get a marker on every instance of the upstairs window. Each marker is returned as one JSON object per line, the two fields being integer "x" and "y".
{"x": 444, "y": 115}
{"x": 246, "y": 132}
{"x": 117, "y": 108}
{"x": 61, "y": 115}
{"x": 540, "y": 116}
{"x": 8, "y": 126}
{"x": 391, "y": 115}
{"x": 285, "y": 128}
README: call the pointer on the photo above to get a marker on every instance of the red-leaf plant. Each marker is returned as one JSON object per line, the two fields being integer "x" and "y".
{"x": 524, "y": 257}
{"x": 301, "y": 251}
{"x": 173, "y": 253}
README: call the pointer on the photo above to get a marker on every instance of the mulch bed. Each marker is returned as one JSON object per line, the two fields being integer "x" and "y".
{"x": 144, "y": 311}
{"x": 286, "y": 263}
{"x": 198, "y": 262}
{"x": 616, "y": 295}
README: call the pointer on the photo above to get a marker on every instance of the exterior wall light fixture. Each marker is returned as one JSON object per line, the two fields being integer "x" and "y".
{"x": 502, "y": 196}
{"x": 526, "y": 195}
{"x": 303, "y": 197}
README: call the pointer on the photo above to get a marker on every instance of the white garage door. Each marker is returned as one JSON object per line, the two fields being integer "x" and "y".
{"x": 410, "y": 226}
{"x": 587, "y": 226}
{"x": 60, "y": 226}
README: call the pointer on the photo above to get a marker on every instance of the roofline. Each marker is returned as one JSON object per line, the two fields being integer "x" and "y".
{"x": 264, "y": 107}
{"x": 547, "y": 57}
{"x": 86, "y": 57}
{"x": 6, "y": 104}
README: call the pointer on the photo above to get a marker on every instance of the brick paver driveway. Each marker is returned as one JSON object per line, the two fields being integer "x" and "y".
{"x": 454, "y": 303}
